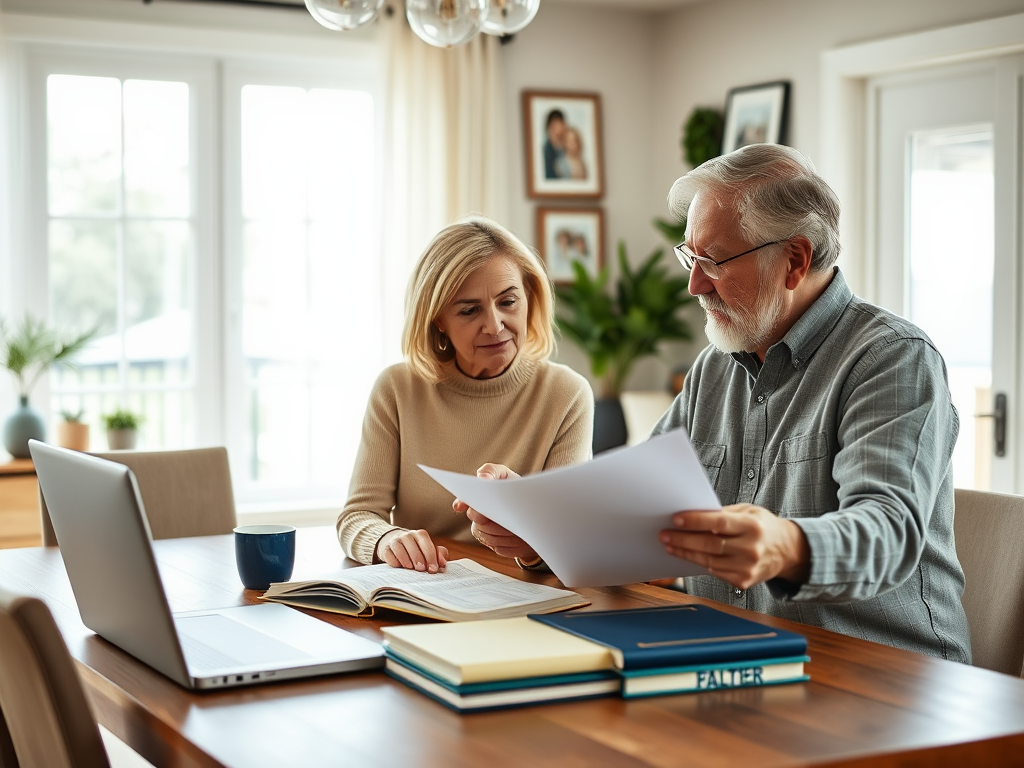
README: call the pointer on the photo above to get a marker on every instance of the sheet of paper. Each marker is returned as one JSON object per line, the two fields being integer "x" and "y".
{"x": 597, "y": 524}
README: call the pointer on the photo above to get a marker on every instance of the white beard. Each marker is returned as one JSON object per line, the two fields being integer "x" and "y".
{"x": 748, "y": 327}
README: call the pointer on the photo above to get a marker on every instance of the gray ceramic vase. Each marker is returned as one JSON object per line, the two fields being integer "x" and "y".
{"x": 23, "y": 425}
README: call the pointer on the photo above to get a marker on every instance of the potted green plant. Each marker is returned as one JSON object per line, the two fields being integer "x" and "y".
{"x": 72, "y": 432}
{"x": 27, "y": 351}
{"x": 122, "y": 429}
{"x": 617, "y": 329}
{"x": 702, "y": 135}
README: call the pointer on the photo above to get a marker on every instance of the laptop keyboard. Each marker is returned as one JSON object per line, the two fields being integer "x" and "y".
{"x": 215, "y": 642}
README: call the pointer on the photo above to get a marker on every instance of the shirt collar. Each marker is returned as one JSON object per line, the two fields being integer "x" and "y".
{"x": 808, "y": 333}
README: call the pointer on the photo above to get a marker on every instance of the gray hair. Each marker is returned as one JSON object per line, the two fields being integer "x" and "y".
{"x": 776, "y": 193}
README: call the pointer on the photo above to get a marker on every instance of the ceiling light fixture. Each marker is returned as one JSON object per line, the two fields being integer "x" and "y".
{"x": 442, "y": 23}
{"x": 339, "y": 15}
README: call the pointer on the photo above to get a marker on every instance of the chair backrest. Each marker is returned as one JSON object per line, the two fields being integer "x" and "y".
{"x": 186, "y": 493}
{"x": 989, "y": 530}
{"x": 45, "y": 709}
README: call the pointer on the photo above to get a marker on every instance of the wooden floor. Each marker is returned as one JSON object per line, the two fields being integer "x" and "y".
{"x": 19, "y": 510}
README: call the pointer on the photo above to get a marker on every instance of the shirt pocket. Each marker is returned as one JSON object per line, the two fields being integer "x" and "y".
{"x": 711, "y": 457}
{"x": 803, "y": 477}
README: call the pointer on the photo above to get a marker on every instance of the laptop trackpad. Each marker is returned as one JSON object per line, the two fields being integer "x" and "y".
{"x": 213, "y": 641}
{"x": 266, "y": 635}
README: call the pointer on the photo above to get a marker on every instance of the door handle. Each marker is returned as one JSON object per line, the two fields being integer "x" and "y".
{"x": 999, "y": 426}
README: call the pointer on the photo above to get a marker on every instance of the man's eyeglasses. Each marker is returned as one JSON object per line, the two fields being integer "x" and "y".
{"x": 709, "y": 267}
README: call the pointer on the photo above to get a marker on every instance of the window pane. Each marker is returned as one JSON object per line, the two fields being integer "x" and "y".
{"x": 311, "y": 287}
{"x": 275, "y": 130}
{"x": 127, "y": 272}
{"x": 275, "y": 291}
{"x": 347, "y": 154}
{"x": 158, "y": 316}
{"x": 156, "y": 147}
{"x": 84, "y": 146}
{"x": 83, "y": 274}
{"x": 952, "y": 225}
{"x": 282, "y": 416}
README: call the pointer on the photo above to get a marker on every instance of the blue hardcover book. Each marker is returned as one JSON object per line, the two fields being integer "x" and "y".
{"x": 499, "y": 694}
{"x": 677, "y": 635}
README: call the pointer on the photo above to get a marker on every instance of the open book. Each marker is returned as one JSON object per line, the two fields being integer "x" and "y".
{"x": 465, "y": 591}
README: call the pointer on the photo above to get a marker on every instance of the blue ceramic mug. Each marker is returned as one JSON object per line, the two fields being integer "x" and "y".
{"x": 264, "y": 554}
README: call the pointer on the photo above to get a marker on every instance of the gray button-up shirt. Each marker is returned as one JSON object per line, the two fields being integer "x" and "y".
{"x": 847, "y": 429}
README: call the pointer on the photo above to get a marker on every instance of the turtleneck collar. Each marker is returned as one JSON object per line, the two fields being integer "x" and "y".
{"x": 519, "y": 372}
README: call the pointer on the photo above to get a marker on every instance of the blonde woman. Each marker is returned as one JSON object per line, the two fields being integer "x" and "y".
{"x": 476, "y": 385}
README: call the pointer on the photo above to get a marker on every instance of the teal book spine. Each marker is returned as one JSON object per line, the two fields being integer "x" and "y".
{"x": 677, "y": 635}
{"x": 483, "y": 697}
{"x": 469, "y": 689}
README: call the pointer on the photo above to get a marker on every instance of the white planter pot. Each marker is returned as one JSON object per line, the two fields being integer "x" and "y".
{"x": 121, "y": 439}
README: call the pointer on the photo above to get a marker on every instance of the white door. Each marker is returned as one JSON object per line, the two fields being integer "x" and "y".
{"x": 945, "y": 174}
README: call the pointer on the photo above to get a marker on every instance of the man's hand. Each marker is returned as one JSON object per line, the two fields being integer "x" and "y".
{"x": 411, "y": 549}
{"x": 742, "y": 544}
{"x": 488, "y": 532}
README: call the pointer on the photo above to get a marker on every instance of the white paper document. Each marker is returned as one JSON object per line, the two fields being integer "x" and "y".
{"x": 597, "y": 524}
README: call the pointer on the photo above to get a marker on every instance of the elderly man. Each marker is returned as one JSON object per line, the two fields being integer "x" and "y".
{"x": 824, "y": 423}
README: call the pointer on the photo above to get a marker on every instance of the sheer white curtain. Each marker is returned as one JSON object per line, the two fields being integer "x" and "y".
{"x": 444, "y": 149}
{"x": 8, "y": 401}
{"x": 6, "y": 117}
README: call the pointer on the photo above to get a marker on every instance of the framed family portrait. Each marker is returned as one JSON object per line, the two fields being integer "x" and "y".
{"x": 565, "y": 235}
{"x": 563, "y": 144}
{"x": 756, "y": 114}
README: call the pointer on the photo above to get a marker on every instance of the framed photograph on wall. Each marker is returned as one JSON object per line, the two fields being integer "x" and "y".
{"x": 563, "y": 144}
{"x": 756, "y": 114}
{"x": 565, "y": 235}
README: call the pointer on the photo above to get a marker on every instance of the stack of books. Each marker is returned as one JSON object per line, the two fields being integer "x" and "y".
{"x": 481, "y": 665}
{"x": 682, "y": 648}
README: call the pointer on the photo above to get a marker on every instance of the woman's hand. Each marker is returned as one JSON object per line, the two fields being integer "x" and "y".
{"x": 488, "y": 532}
{"x": 411, "y": 549}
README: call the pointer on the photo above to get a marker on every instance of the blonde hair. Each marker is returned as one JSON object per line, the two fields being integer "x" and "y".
{"x": 455, "y": 253}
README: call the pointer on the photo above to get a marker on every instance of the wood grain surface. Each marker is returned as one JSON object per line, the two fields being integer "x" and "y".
{"x": 866, "y": 704}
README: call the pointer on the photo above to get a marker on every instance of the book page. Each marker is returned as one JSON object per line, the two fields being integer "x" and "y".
{"x": 597, "y": 524}
{"x": 463, "y": 586}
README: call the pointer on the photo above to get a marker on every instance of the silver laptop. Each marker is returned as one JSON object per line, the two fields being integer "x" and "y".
{"x": 105, "y": 541}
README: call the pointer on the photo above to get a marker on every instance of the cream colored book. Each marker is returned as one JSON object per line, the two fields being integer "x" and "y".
{"x": 501, "y": 649}
{"x": 464, "y": 591}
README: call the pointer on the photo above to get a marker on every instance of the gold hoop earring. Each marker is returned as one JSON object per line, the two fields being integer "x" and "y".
{"x": 442, "y": 343}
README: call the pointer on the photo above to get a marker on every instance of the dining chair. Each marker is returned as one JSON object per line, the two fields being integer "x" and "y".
{"x": 989, "y": 530}
{"x": 186, "y": 493}
{"x": 46, "y": 714}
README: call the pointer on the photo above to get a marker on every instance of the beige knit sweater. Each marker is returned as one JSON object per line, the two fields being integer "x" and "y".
{"x": 536, "y": 415}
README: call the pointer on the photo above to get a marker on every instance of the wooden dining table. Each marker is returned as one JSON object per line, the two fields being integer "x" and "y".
{"x": 865, "y": 703}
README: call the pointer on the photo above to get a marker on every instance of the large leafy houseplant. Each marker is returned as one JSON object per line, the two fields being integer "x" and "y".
{"x": 616, "y": 329}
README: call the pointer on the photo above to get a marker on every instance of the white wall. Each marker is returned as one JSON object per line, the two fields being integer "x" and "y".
{"x": 652, "y": 69}
{"x": 706, "y": 49}
{"x": 578, "y": 47}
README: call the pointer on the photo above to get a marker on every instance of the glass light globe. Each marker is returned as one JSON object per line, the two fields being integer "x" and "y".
{"x": 340, "y": 15}
{"x": 445, "y": 23}
{"x": 506, "y": 17}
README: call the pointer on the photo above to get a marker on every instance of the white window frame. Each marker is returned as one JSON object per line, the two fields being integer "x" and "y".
{"x": 236, "y": 74}
{"x": 40, "y": 62}
{"x": 847, "y": 151}
{"x": 214, "y": 57}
